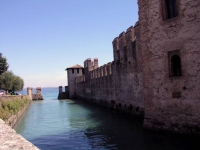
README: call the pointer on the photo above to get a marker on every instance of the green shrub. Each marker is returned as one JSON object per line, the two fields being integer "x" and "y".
{"x": 9, "y": 108}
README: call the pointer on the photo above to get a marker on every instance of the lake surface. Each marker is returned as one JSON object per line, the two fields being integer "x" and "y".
{"x": 54, "y": 124}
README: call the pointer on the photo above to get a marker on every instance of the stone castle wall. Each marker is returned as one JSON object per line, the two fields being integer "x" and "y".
{"x": 117, "y": 84}
{"x": 155, "y": 69}
{"x": 172, "y": 102}
{"x": 65, "y": 94}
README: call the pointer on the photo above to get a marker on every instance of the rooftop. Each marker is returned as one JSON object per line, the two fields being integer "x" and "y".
{"x": 77, "y": 66}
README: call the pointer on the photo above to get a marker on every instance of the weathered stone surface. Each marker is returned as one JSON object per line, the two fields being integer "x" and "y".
{"x": 10, "y": 140}
{"x": 171, "y": 102}
{"x": 63, "y": 95}
{"x": 72, "y": 73}
{"x": 37, "y": 96}
{"x": 141, "y": 78}
{"x": 118, "y": 84}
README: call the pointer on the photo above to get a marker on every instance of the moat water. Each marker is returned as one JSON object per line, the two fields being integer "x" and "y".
{"x": 74, "y": 125}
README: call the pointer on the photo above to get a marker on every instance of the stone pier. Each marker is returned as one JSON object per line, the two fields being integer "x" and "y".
{"x": 37, "y": 95}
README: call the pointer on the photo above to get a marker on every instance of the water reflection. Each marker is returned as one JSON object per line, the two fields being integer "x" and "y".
{"x": 68, "y": 124}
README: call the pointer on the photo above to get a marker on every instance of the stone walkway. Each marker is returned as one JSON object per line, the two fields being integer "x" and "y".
{"x": 10, "y": 140}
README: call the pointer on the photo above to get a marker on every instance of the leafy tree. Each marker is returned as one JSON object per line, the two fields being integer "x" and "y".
{"x": 11, "y": 82}
{"x": 6, "y": 80}
{"x": 3, "y": 65}
{"x": 18, "y": 84}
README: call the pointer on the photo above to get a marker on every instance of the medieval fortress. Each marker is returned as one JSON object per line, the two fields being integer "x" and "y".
{"x": 155, "y": 74}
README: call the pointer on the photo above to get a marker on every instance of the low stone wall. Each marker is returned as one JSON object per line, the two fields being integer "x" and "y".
{"x": 12, "y": 120}
{"x": 37, "y": 96}
{"x": 63, "y": 95}
{"x": 10, "y": 140}
{"x": 14, "y": 97}
{"x": 137, "y": 112}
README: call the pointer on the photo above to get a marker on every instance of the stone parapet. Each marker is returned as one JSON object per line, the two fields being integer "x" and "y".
{"x": 10, "y": 140}
{"x": 63, "y": 95}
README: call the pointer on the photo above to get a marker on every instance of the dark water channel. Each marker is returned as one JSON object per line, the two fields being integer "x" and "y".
{"x": 71, "y": 125}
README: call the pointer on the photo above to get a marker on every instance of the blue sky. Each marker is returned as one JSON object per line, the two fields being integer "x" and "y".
{"x": 41, "y": 38}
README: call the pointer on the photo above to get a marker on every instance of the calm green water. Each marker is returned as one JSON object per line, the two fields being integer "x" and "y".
{"x": 70, "y": 125}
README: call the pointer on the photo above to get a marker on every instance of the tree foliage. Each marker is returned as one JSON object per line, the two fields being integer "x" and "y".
{"x": 6, "y": 80}
{"x": 18, "y": 84}
{"x": 9, "y": 81}
{"x": 3, "y": 65}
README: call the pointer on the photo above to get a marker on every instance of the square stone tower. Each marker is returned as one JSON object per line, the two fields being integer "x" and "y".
{"x": 169, "y": 34}
{"x": 72, "y": 73}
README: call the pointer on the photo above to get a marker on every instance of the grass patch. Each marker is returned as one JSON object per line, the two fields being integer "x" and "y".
{"x": 9, "y": 108}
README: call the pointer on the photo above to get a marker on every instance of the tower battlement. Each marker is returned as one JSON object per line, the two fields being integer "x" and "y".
{"x": 122, "y": 40}
{"x": 116, "y": 44}
{"x": 124, "y": 37}
{"x": 90, "y": 65}
{"x": 130, "y": 34}
{"x": 122, "y": 45}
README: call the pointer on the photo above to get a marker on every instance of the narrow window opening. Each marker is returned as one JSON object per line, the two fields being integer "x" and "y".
{"x": 176, "y": 65}
{"x": 77, "y": 70}
{"x": 83, "y": 70}
{"x": 171, "y": 9}
{"x": 73, "y": 70}
{"x": 174, "y": 60}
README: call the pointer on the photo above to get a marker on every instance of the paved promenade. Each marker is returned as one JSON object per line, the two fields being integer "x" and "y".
{"x": 10, "y": 140}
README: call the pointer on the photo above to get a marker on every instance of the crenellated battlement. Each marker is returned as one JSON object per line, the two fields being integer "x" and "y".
{"x": 124, "y": 50}
{"x": 109, "y": 68}
{"x": 122, "y": 45}
{"x": 122, "y": 40}
{"x": 124, "y": 37}
{"x": 115, "y": 44}
{"x": 130, "y": 34}
{"x": 95, "y": 63}
{"x": 91, "y": 65}
{"x": 87, "y": 63}
{"x": 95, "y": 72}
{"x": 91, "y": 68}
